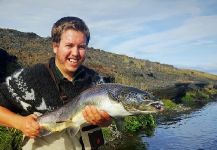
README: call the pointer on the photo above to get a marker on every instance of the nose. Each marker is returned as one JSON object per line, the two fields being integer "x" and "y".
{"x": 75, "y": 51}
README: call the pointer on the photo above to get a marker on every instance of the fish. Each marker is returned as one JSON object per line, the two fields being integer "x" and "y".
{"x": 117, "y": 100}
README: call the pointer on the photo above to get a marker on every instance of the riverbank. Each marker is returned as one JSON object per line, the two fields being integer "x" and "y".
{"x": 191, "y": 100}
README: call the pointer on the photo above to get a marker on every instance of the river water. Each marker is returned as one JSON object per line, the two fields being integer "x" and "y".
{"x": 193, "y": 131}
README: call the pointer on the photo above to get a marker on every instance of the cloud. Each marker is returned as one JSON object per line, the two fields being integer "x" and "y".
{"x": 192, "y": 30}
{"x": 167, "y": 31}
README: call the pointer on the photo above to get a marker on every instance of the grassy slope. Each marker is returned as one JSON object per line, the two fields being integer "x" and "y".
{"x": 30, "y": 49}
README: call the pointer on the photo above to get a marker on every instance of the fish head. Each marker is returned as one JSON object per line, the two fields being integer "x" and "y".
{"x": 137, "y": 101}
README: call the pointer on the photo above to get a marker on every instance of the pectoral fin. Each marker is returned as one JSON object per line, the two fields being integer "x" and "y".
{"x": 47, "y": 129}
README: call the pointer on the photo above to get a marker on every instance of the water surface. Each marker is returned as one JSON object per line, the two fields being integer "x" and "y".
{"x": 194, "y": 131}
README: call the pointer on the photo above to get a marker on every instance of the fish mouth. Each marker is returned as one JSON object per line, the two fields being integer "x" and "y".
{"x": 153, "y": 107}
{"x": 137, "y": 111}
{"x": 158, "y": 105}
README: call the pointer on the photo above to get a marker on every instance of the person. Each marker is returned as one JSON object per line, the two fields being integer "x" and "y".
{"x": 42, "y": 88}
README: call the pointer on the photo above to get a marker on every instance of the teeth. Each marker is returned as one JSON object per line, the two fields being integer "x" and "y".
{"x": 73, "y": 60}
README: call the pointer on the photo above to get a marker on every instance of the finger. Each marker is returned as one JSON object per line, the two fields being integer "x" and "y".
{"x": 35, "y": 125}
{"x": 86, "y": 114}
{"x": 96, "y": 115}
{"x": 92, "y": 114}
{"x": 31, "y": 134}
{"x": 89, "y": 112}
{"x": 32, "y": 137}
{"x": 105, "y": 115}
{"x": 34, "y": 116}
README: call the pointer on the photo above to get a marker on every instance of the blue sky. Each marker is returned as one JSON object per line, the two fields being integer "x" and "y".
{"x": 182, "y": 33}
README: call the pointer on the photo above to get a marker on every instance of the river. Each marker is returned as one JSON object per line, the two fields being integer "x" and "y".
{"x": 193, "y": 131}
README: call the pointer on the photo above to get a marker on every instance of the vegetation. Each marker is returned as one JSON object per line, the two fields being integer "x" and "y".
{"x": 198, "y": 97}
{"x": 146, "y": 123}
{"x": 28, "y": 49}
{"x": 169, "y": 104}
{"x": 10, "y": 139}
{"x": 131, "y": 125}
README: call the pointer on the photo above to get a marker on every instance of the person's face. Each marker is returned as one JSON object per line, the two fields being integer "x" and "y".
{"x": 70, "y": 52}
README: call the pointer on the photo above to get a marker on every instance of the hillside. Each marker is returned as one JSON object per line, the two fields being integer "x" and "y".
{"x": 30, "y": 48}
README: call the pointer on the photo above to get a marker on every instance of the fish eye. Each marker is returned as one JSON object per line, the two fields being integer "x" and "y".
{"x": 145, "y": 97}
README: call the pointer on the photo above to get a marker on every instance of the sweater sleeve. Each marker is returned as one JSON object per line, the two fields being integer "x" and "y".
{"x": 14, "y": 93}
{"x": 4, "y": 101}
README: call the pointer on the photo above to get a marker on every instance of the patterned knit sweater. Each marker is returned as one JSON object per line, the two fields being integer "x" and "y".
{"x": 32, "y": 90}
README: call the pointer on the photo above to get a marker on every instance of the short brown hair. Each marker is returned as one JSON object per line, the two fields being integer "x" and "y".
{"x": 66, "y": 23}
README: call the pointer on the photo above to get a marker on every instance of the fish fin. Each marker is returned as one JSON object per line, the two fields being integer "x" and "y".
{"x": 44, "y": 132}
{"x": 119, "y": 123}
{"x": 47, "y": 129}
{"x": 73, "y": 130}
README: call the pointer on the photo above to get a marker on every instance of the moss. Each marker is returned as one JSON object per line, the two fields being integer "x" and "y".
{"x": 169, "y": 104}
{"x": 110, "y": 133}
{"x": 188, "y": 98}
{"x": 193, "y": 98}
{"x": 203, "y": 95}
{"x": 10, "y": 139}
{"x": 211, "y": 91}
{"x": 131, "y": 125}
{"x": 142, "y": 122}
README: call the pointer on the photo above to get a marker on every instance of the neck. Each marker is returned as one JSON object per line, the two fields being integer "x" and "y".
{"x": 65, "y": 74}
{"x": 68, "y": 77}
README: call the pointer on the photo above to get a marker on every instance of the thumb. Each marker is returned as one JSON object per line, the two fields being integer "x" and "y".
{"x": 34, "y": 116}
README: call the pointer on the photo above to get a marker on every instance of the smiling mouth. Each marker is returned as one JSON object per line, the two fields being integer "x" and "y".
{"x": 71, "y": 60}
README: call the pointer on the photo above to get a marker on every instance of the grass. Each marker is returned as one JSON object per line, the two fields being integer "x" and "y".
{"x": 141, "y": 122}
{"x": 169, "y": 104}
{"x": 193, "y": 98}
{"x": 10, "y": 139}
{"x": 131, "y": 125}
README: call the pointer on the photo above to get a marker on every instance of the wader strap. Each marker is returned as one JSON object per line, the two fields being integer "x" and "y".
{"x": 90, "y": 127}
{"x": 91, "y": 136}
{"x": 63, "y": 96}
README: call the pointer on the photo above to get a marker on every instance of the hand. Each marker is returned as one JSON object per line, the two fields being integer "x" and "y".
{"x": 96, "y": 117}
{"x": 29, "y": 126}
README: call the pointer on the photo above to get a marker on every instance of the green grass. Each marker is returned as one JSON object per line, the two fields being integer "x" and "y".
{"x": 192, "y": 98}
{"x": 169, "y": 104}
{"x": 131, "y": 125}
{"x": 10, "y": 139}
{"x": 210, "y": 91}
{"x": 146, "y": 123}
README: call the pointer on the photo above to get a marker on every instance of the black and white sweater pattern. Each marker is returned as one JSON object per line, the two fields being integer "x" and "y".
{"x": 32, "y": 90}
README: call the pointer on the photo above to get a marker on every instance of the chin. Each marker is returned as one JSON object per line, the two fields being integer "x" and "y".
{"x": 73, "y": 69}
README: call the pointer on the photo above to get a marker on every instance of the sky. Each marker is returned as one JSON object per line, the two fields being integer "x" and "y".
{"x": 182, "y": 33}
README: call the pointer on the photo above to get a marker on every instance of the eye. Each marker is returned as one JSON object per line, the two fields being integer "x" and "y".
{"x": 82, "y": 47}
{"x": 145, "y": 97}
{"x": 69, "y": 45}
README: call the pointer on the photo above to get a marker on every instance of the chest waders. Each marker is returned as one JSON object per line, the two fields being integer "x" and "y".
{"x": 91, "y": 136}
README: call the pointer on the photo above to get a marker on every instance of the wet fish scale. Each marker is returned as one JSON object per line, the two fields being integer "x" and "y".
{"x": 116, "y": 99}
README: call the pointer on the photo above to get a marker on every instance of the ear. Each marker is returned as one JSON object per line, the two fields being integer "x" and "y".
{"x": 55, "y": 47}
